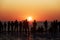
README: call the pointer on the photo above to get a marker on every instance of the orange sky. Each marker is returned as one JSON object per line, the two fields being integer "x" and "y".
{"x": 20, "y": 9}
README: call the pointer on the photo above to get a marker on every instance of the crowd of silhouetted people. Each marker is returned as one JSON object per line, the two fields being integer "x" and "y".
{"x": 12, "y": 26}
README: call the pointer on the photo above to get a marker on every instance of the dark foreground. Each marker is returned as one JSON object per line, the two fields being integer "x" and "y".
{"x": 29, "y": 36}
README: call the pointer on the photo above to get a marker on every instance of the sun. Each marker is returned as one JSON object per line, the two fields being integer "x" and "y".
{"x": 29, "y": 18}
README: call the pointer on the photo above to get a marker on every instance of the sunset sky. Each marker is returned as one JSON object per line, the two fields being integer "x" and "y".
{"x": 39, "y": 10}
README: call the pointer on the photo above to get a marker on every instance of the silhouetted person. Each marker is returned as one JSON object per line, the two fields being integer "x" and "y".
{"x": 46, "y": 25}
{"x": 16, "y": 25}
{"x": 12, "y": 25}
{"x": 5, "y": 25}
{"x": 25, "y": 25}
{"x": 51, "y": 29}
{"x": 1, "y": 26}
{"x": 59, "y": 26}
{"x": 55, "y": 26}
{"x": 9, "y": 23}
{"x": 34, "y": 25}
{"x": 20, "y": 26}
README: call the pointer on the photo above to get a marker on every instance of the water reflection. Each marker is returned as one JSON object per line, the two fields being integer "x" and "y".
{"x": 27, "y": 36}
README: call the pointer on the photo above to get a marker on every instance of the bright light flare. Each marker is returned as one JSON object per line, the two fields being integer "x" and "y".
{"x": 29, "y": 19}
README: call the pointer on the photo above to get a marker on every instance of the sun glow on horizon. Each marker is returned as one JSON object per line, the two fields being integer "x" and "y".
{"x": 29, "y": 18}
